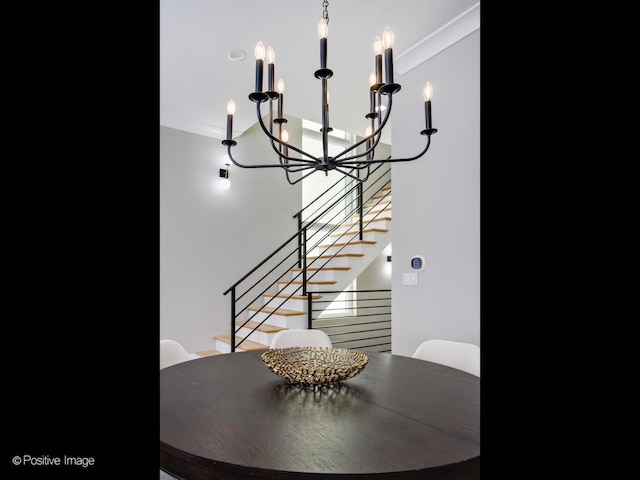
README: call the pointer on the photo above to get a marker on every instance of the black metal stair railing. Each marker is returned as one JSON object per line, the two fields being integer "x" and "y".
{"x": 332, "y": 211}
{"x": 362, "y": 321}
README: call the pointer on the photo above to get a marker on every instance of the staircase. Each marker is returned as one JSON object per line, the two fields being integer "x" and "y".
{"x": 331, "y": 265}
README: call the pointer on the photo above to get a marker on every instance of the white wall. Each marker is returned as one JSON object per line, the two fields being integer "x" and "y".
{"x": 436, "y": 201}
{"x": 209, "y": 238}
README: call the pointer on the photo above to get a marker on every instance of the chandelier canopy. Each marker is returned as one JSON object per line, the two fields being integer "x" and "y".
{"x": 354, "y": 165}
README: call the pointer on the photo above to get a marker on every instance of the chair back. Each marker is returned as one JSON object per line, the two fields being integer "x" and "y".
{"x": 172, "y": 352}
{"x": 301, "y": 338}
{"x": 460, "y": 355}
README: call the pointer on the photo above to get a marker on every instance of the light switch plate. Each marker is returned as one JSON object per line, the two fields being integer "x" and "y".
{"x": 410, "y": 278}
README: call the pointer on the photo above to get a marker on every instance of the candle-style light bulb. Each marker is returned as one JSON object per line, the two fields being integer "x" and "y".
{"x": 427, "y": 93}
{"x": 387, "y": 43}
{"x": 271, "y": 58}
{"x": 280, "y": 90}
{"x": 387, "y": 38}
{"x": 284, "y": 137}
{"x": 323, "y": 32}
{"x": 259, "y": 54}
{"x": 231, "y": 109}
{"x": 373, "y": 80}
{"x": 377, "y": 45}
{"x": 259, "y": 51}
{"x": 323, "y": 28}
{"x": 367, "y": 134}
{"x": 377, "y": 50}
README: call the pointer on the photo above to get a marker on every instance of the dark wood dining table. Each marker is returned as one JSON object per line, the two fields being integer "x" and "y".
{"x": 229, "y": 417}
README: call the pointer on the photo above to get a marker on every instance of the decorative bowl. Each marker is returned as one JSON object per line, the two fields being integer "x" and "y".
{"x": 315, "y": 365}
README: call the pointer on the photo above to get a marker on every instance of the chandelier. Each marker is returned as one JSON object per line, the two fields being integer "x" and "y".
{"x": 347, "y": 162}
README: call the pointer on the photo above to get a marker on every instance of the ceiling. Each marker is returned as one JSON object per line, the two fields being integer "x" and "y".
{"x": 197, "y": 77}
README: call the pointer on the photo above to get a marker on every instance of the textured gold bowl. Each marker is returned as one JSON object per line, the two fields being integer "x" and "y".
{"x": 315, "y": 365}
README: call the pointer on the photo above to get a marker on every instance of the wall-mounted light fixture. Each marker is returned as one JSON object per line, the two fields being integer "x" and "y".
{"x": 387, "y": 265}
{"x": 225, "y": 183}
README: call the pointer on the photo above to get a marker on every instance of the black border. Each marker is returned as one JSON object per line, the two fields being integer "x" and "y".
{"x": 81, "y": 231}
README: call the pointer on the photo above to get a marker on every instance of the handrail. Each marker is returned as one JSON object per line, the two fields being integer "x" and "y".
{"x": 260, "y": 264}
{"x": 302, "y": 249}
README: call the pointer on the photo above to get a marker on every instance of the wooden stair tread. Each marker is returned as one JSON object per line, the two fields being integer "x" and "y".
{"x": 366, "y": 230}
{"x": 338, "y": 256}
{"x": 377, "y": 219}
{"x": 383, "y": 191}
{"x": 382, "y": 203}
{"x": 297, "y": 269}
{"x": 265, "y": 327}
{"x": 246, "y": 344}
{"x": 355, "y": 242}
{"x": 314, "y": 282}
{"x": 372, "y": 211}
{"x": 294, "y": 297}
{"x": 277, "y": 311}
{"x": 381, "y": 195}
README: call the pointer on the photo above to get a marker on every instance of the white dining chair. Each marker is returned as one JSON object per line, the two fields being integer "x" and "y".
{"x": 460, "y": 355}
{"x": 172, "y": 352}
{"x": 301, "y": 338}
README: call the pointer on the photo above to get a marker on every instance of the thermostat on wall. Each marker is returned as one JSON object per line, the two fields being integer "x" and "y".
{"x": 417, "y": 263}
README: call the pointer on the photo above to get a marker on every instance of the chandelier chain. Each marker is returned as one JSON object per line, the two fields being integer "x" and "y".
{"x": 325, "y": 13}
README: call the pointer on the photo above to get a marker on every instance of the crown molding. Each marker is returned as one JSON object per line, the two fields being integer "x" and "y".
{"x": 168, "y": 120}
{"x": 454, "y": 31}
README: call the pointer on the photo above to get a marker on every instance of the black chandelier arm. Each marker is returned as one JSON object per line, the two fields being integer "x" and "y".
{"x": 346, "y": 161}
{"x": 406, "y": 159}
{"x": 352, "y": 159}
{"x": 293, "y": 168}
{"x": 344, "y": 172}
{"x": 355, "y": 166}
{"x": 273, "y": 138}
{"x": 291, "y": 162}
{"x": 299, "y": 179}
{"x": 377, "y": 133}
{"x": 295, "y": 161}
{"x": 238, "y": 164}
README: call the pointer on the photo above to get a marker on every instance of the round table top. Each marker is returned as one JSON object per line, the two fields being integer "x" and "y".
{"x": 228, "y": 416}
